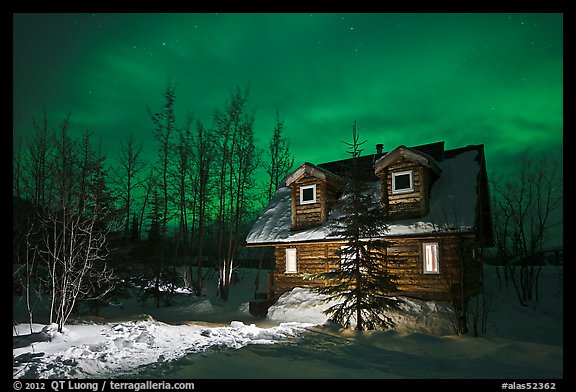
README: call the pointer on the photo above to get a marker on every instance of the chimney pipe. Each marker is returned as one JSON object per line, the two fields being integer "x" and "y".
{"x": 379, "y": 148}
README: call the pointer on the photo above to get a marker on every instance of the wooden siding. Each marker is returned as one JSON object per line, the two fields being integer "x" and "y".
{"x": 404, "y": 258}
{"x": 456, "y": 268}
{"x": 310, "y": 259}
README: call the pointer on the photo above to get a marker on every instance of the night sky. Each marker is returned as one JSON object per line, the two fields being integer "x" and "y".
{"x": 406, "y": 79}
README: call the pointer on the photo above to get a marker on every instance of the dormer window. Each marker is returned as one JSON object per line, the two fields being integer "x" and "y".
{"x": 308, "y": 194}
{"x": 406, "y": 177}
{"x": 314, "y": 190}
{"x": 402, "y": 182}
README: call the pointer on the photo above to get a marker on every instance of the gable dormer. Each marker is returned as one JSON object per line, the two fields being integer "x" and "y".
{"x": 314, "y": 191}
{"x": 406, "y": 176}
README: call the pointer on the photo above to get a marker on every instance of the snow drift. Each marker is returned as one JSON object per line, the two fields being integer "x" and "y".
{"x": 94, "y": 351}
{"x": 296, "y": 340}
{"x": 303, "y": 305}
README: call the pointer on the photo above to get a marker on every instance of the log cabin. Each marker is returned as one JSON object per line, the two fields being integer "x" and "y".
{"x": 435, "y": 204}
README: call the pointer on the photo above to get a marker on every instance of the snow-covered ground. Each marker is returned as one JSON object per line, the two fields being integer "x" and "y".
{"x": 205, "y": 338}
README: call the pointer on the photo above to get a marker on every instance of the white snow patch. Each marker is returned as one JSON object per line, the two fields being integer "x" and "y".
{"x": 120, "y": 348}
{"x": 304, "y": 305}
{"x": 296, "y": 339}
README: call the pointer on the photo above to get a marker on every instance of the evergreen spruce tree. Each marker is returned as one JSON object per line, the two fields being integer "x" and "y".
{"x": 361, "y": 284}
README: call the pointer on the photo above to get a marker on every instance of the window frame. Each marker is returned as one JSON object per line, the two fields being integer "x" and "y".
{"x": 288, "y": 270}
{"x": 436, "y": 254}
{"x": 410, "y": 174}
{"x": 314, "y": 197}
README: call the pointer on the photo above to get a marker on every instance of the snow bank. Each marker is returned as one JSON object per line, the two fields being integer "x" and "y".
{"x": 117, "y": 349}
{"x": 303, "y": 305}
{"x": 427, "y": 317}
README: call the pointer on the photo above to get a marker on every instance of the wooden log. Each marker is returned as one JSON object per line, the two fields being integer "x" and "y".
{"x": 403, "y": 259}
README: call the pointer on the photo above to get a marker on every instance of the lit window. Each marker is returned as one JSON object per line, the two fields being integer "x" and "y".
{"x": 291, "y": 261}
{"x": 402, "y": 182}
{"x": 308, "y": 194}
{"x": 430, "y": 251}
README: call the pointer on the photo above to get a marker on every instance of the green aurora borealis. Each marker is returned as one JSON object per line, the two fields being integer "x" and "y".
{"x": 410, "y": 79}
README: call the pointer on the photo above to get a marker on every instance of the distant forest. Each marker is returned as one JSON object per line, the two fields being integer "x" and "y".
{"x": 191, "y": 206}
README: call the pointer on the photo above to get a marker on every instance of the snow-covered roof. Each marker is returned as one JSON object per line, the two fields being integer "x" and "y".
{"x": 453, "y": 201}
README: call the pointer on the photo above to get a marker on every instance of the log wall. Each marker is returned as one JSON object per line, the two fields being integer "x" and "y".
{"x": 311, "y": 259}
{"x": 404, "y": 259}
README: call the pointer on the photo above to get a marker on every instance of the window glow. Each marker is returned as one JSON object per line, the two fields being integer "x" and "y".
{"x": 431, "y": 258}
{"x": 291, "y": 260}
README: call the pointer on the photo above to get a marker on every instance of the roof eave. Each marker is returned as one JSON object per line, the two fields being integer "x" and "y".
{"x": 315, "y": 171}
{"x": 408, "y": 153}
{"x": 462, "y": 232}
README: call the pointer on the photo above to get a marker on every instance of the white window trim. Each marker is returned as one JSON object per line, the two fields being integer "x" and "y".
{"x": 403, "y": 190}
{"x": 313, "y": 187}
{"x": 291, "y": 252}
{"x": 425, "y": 257}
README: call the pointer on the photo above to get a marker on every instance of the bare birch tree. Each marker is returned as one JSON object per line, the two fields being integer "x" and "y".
{"x": 149, "y": 184}
{"x": 238, "y": 160}
{"x": 71, "y": 237}
{"x": 74, "y": 250}
{"x": 129, "y": 164}
{"x": 203, "y": 155}
{"x": 39, "y": 155}
{"x": 279, "y": 160}
{"x": 165, "y": 122}
{"x": 525, "y": 205}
